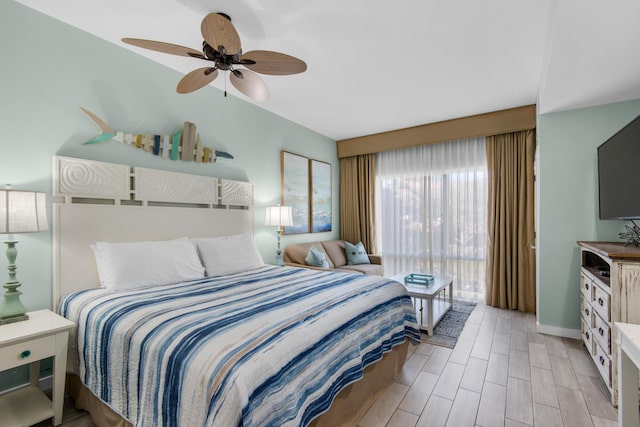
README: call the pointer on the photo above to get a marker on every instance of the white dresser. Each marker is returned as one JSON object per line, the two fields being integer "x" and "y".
{"x": 610, "y": 292}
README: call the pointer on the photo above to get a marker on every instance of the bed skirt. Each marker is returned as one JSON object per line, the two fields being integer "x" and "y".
{"x": 348, "y": 407}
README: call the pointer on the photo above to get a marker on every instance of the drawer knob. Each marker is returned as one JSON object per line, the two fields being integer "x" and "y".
{"x": 25, "y": 354}
{"x": 587, "y": 334}
{"x": 586, "y": 311}
{"x": 601, "y": 302}
{"x": 602, "y": 360}
{"x": 601, "y": 331}
{"x": 586, "y": 286}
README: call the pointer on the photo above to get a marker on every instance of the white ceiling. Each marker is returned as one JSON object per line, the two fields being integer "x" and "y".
{"x": 377, "y": 65}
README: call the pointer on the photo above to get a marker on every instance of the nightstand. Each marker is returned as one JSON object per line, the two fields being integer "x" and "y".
{"x": 44, "y": 335}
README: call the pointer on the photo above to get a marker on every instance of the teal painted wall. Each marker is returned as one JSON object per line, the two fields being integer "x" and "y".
{"x": 568, "y": 195}
{"x": 50, "y": 68}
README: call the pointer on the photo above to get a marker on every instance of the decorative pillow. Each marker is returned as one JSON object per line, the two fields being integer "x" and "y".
{"x": 316, "y": 258}
{"x": 228, "y": 254}
{"x": 134, "y": 265}
{"x": 356, "y": 254}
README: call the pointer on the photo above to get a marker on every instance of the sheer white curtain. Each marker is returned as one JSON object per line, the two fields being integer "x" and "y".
{"x": 432, "y": 212}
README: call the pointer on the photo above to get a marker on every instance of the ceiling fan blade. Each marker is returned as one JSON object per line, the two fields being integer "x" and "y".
{"x": 196, "y": 79}
{"x": 251, "y": 85}
{"x": 173, "y": 49}
{"x": 274, "y": 63}
{"x": 218, "y": 31}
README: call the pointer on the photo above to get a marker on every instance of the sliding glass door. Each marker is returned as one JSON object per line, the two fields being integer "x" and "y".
{"x": 432, "y": 212}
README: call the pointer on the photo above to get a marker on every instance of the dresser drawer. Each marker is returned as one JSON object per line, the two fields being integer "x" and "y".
{"x": 601, "y": 302}
{"x": 27, "y": 352}
{"x": 587, "y": 313}
{"x": 602, "y": 333}
{"x": 603, "y": 363}
{"x": 587, "y": 338}
{"x": 586, "y": 287}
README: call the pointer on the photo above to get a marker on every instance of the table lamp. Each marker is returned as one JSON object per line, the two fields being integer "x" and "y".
{"x": 278, "y": 216}
{"x": 20, "y": 212}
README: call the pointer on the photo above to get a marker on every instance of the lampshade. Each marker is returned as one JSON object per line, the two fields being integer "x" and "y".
{"x": 277, "y": 216}
{"x": 22, "y": 211}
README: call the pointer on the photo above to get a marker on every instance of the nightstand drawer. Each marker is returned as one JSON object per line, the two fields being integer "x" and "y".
{"x": 27, "y": 352}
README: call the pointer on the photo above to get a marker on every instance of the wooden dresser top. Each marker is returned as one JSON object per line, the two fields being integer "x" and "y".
{"x": 613, "y": 250}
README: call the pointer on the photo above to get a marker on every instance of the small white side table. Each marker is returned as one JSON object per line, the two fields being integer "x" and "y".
{"x": 628, "y": 340}
{"x": 436, "y": 309}
{"x": 44, "y": 335}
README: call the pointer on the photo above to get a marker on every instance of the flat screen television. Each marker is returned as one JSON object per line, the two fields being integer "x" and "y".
{"x": 619, "y": 174}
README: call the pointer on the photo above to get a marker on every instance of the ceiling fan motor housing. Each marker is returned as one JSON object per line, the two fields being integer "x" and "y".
{"x": 223, "y": 62}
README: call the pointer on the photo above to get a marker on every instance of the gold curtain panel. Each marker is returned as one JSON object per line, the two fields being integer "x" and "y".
{"x": 511, "y": 279}
{"x": 358, "y": 201}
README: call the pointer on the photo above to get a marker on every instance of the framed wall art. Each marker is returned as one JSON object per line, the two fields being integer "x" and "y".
{"x": 320, "y": 173}
{"x": 295, "y": 190}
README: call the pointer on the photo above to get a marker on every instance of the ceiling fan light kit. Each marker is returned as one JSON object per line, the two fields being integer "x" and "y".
{"x": 222, "y": 46}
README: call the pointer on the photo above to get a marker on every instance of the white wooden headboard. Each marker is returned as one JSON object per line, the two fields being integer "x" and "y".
{"x": 97, "y": 201}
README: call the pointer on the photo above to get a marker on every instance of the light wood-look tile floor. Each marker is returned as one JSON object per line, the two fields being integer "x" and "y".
{"x": 501, "y": 373}
{"x": 71, "y": 417}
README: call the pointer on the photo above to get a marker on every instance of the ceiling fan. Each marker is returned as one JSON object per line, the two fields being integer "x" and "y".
{"x": 222, "y": 46}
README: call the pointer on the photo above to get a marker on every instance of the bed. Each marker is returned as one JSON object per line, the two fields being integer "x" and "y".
{"x": 262, "y": 346}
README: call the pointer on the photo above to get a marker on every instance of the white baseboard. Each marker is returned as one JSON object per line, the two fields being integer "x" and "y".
{"x": 559, "y": 332}
{"x": 46, "y": 383}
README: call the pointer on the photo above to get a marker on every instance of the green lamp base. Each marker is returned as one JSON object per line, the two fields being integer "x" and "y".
{"x": 11, "y": 309}
{"x": 13, "y": 319}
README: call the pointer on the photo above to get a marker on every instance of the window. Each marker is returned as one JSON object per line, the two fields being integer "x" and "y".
{"x": 432, "y": 212}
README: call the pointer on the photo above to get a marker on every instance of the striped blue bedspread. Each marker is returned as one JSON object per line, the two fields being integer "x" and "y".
{"x": 268, "y": 347}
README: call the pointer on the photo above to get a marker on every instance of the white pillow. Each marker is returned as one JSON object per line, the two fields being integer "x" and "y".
{"x": 135, "y": 265}
{"x": 228, "y": 254}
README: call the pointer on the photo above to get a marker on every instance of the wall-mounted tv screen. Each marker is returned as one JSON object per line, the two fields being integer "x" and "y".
{"x": 619, "y": 174}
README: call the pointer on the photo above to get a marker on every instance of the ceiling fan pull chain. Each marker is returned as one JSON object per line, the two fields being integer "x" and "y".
{"x": 225, "y": 84}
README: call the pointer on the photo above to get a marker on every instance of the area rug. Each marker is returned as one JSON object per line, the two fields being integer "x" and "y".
{"x": 448, "y": 330}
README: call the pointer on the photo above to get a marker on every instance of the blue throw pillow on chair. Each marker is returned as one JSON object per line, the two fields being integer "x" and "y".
{"x": 356, "y": 254}
{"x": 316, "y": 258}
